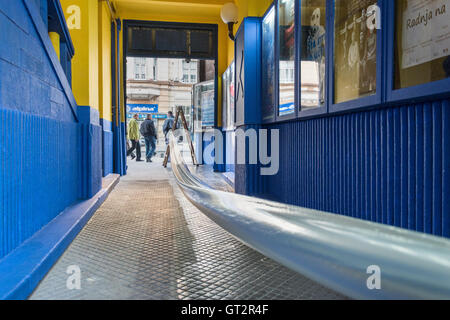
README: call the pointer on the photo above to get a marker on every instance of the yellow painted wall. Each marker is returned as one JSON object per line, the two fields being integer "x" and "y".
{"x": 122, "y": 70}
{"x": 247, "y": 8}
{"x": 55, "y": 39}
{"x": 94, "y": 89}
{"x": 91, "y": 65}
{"x": 85, "y": 62}
{"x": 105, "y": 79}
{"x": 80, "y": 61}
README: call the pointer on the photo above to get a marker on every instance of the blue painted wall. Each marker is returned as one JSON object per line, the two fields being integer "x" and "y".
{"x": 49, "y": 159}
{"x": 390, "y": 165}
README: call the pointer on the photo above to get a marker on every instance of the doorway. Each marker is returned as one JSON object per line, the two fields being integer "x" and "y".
{"x": 171, "y": 65}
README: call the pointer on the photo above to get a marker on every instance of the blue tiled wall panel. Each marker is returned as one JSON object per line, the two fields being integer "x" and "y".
{"x": 390, "y": 166}
{"x": 39, "y": 175}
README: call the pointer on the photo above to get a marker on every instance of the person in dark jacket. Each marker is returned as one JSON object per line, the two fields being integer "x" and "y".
{"x": 148, "y": 131}
{"x": 168, "y": 125}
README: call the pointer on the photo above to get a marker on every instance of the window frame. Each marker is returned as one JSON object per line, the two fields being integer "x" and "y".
{"x": 436, "y": 89}
{"x": 386, "y": 95}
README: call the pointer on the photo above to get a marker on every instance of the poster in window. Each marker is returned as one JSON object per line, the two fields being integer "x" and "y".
{"x": 426, "y": 31}
{"x": 207, "y": 103}
{"x": 231, "y": 101}
{"x": 228, "y": 98}
{"x": 268, "y": 70}
{"x": 313, "y": 53}
{"x": 423, "y": 41}
{"x": 287, "y": 57}
{"x": 204, "y": 105}
{"x": 355, "y": 49}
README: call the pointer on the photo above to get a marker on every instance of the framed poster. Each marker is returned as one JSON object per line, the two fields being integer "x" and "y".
{"x": 228, "y": 98}
{"x": 355, "y": 49}
{"x": 286, "y": 47}
{"x": 268, "y": 62}
{"x": 313, "y": 54}
{"x": 204, "y": 105}
{"x": 422, "y": 49}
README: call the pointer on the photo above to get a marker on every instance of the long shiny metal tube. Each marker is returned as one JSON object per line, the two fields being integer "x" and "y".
{"x": 342, "y": 253}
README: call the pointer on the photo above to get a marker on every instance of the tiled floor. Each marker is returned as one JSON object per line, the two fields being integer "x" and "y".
{"x": 148, "y": 242}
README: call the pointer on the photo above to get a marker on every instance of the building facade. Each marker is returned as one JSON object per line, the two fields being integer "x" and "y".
{"x": 164, "y": 84}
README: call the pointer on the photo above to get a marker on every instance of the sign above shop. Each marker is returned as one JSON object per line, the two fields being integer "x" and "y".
{"x": 159, "y": 116}
{"x": 142, "y": 108}
{"x": 143, "y": 116}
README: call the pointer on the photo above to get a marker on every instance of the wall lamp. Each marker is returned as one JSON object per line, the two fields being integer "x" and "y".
{"x": 229, "y": 15}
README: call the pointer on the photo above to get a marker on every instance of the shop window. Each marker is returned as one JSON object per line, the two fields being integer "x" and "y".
{"x": 355, "y": 49}
{"x": 286, "y": 35}
{"x": 313, "y": 63}
{"x": 423, "y": 42}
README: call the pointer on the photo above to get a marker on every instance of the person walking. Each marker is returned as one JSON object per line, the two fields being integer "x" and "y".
{"x": 168, "y": 125}
{"x": 148, "y": 130}
{"x": 134, "y": 136}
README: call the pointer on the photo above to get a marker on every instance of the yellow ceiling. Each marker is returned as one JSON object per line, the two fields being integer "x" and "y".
{"x": 208, "y": 8}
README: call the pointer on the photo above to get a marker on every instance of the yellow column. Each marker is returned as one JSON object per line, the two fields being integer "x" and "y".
{"x": 105, "y": 80}
{"x": 55, "y": 38}
{"x": 82, "y": 20}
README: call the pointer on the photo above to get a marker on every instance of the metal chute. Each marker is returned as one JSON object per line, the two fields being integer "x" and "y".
{"x": 348, "y": 255}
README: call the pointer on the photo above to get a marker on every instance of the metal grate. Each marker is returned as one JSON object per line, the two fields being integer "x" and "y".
{"x": 148, "y": 242}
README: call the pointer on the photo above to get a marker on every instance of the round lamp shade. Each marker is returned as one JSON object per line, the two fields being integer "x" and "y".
{"x": 229, "y": 13}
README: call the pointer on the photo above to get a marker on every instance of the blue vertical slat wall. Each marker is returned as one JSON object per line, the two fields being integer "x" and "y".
{"x": 38, "y": 171}
{"x": 446, "y": 168}
{"x": 389, "y": 165}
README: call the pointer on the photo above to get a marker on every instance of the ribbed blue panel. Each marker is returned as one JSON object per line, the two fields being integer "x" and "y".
{"x": 247, "y": 177}
{"x": 91, "y": 160}
{"x": 390, "y": 166}
{"x": 108, "y": 165}
{"x": 107, "y": 153}
{"x": 39, "y": 174}
{"x": 96, "y": 133}
{"x": 446, "y": 168}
